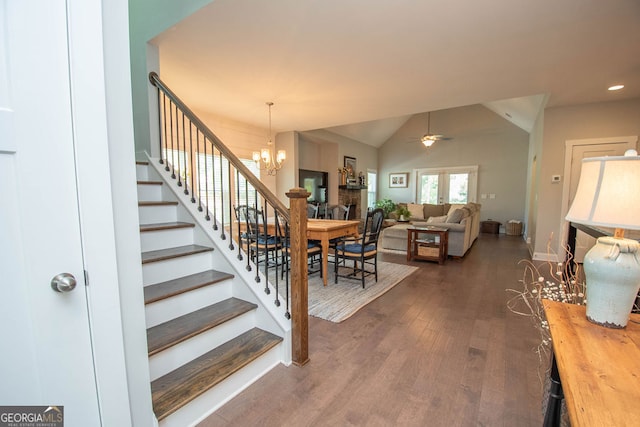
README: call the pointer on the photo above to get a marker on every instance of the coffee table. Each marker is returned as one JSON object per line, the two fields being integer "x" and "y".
{"x": 427, "y": 243}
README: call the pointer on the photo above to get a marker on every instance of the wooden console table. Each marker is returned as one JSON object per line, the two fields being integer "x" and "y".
{"x": 433, "y": 246}
{"x": 596, "y": 368}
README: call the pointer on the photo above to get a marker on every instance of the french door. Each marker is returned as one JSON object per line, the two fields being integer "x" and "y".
{"x": 456, "y": 185}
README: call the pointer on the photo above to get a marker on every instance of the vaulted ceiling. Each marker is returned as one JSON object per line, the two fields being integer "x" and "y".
{"x": 362, "y": 67}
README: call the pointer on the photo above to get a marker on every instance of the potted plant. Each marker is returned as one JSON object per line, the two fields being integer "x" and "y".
{"x": 403, "y": 213}
{"x": 386, "y": 205}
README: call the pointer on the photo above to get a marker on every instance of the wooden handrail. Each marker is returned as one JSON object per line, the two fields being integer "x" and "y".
{"x": 233, "y": 159}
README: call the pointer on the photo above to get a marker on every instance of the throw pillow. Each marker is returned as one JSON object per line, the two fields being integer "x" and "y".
{"x": 453, "y": 208}
{"x": 415, "y": 210}
{"x": 437, "y": 219}
{"x": 455, "y": 216}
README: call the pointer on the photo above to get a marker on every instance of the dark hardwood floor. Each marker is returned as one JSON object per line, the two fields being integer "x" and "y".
{"x": 439, "y": 349}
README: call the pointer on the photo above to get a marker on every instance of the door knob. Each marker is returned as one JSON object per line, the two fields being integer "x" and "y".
{"x": 63, "y": 282}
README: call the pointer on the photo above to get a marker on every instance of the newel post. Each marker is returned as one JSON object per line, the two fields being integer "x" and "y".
{"x": 299, "y": 286}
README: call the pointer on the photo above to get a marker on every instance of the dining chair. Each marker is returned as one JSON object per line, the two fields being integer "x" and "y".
{"x": 314, "y": 252}
{"x": 312, "y": 210}
{"x": 363, "y": 251}
{"x": 256, "y": 237}
{"x": 339, "y": 211}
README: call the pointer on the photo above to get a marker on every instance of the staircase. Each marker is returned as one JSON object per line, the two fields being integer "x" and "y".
{"x": 206, "y": 332}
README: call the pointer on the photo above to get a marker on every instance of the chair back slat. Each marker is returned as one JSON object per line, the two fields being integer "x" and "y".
{"x": 372, "y": 226}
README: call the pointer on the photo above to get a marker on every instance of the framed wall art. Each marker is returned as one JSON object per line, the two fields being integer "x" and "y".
{"x": 350, "y": 166}
{"x": 398, "y": 180}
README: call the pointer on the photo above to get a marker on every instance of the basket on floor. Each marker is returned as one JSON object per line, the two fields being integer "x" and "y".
{"x": 513, "y": 228}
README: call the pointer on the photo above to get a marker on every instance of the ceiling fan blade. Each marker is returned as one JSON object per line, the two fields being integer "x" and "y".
{"x": 435, "y": 138}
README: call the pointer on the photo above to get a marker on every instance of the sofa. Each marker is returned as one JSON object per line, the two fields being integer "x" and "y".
{"x": 463, "y": 222}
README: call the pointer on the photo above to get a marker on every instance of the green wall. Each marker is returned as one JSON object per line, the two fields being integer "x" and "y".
{"x": 147, "y": 19}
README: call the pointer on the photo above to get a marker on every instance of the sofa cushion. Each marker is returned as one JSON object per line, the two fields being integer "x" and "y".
{"x": 433, "y": 210}
{"x": 434, "y": 219}
{"x": 416, "y": 210}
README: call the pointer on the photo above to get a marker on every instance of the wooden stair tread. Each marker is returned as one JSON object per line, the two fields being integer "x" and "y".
{"x": 165, "y": 335}
{"x": 179, "y": 387}
{"x": 165, "y": 226}
{"x": 170, "y": 253}
{"x": 142, "y": 162}
{"x": 157, "y": 203}
{"x": 160, "y": 291}
{"x": 149, "y": 182}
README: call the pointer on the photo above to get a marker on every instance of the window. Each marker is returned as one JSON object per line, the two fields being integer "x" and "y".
{"x": 215, "y": 190}
{"x": 180, "y": 161}
{"x": 447, "y": 185}
{"x": 458, "y": 188}
{"x": 372, "y": 189}
{"x": 428, "y": 185}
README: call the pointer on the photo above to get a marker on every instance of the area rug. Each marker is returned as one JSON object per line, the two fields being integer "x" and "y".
{"x": 393, "y": 251}
{"x": 338, "y": 301}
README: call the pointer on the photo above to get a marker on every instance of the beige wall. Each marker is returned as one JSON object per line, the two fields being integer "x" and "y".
{"x": 598, "y": 120}
{"x": 242, "y": 139}
{"x": 480, "y": 137}
{"x": 325, "y": 151}
{"x": 287, "y": 177}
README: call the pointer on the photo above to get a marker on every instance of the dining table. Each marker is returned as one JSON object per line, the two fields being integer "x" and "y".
{"x": 324, "y": 230}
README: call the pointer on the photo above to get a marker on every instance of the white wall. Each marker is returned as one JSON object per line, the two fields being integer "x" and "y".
{"x": 125, "y": 221}
{"x": 480, "y": 137}
{"x": 534, "y": 162}
{"x": 598, "y": 120}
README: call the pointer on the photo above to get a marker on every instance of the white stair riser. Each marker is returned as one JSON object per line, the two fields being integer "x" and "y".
{"x": 207, "y": 403}
{"x": 157, "y": 214}
{"x": 156, "y": 272}
{"x": 149, "y": 192}
{"x": 142, "y": 172}
{"x": 180, "y": 354}
{"x": 170, "y": 308}
{"x": 164, "y": 239}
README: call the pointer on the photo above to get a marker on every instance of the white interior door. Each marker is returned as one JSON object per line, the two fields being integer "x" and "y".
{"x": 584, "y": 242}
{"x": 47, "y": 355}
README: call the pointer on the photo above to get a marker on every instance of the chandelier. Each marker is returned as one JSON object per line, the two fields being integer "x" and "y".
{"x": 266, "y": 159}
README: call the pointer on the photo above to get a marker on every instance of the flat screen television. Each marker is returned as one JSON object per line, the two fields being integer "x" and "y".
{"x": 315, "y": 182}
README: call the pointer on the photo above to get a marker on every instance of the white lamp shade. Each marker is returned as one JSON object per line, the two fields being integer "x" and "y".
{"x": 608, "y": 193}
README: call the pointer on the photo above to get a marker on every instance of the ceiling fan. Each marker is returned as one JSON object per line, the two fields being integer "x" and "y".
{"x": 429, "y": 138}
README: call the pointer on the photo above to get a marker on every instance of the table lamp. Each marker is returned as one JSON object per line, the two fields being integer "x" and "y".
{"x": 608, "y": 195}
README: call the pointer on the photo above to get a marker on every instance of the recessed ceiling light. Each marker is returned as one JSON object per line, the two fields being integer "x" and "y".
{"x": 616, "y": 87}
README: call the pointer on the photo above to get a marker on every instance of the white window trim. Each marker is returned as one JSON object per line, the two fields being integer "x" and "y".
{"x": 375, "y": 184}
